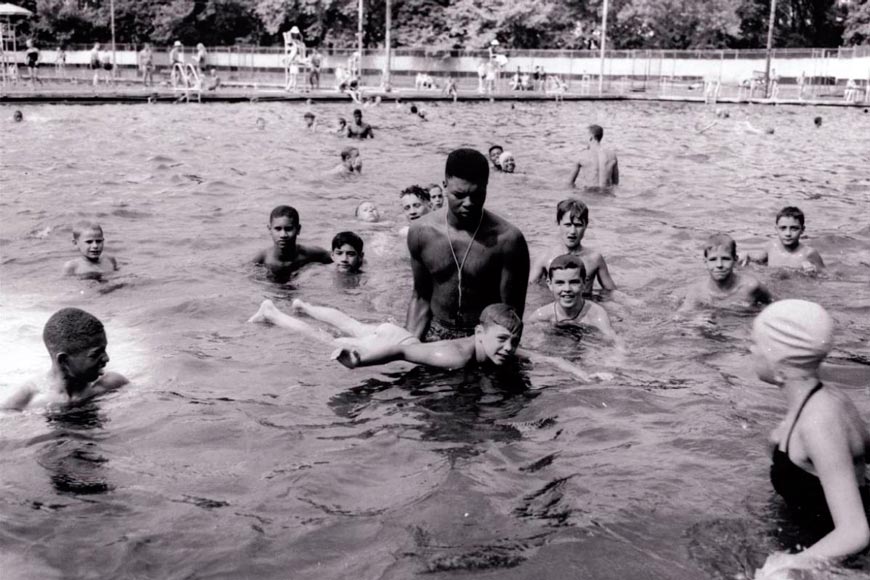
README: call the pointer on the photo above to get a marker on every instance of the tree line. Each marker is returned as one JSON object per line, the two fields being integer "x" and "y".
{"x": 456, "y": 24}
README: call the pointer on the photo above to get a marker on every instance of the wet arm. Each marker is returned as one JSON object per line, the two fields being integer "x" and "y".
{"x": 19, "y": 399}
{"x": 538, "y": 269}
{"x": 557, "y": 362}
{"x": 419, "y": 309}
{"x": 815, "y": 259}
{"x": 604, "y": 176}
{"x": 575, "y": 173}
{"x": 515, "y": 273}
{"x": 828, "y": 449}
{"x": 260, "y": 257}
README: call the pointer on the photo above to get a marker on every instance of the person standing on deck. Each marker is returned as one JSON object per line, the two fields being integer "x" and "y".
{"x": 463, "y": 257}
{"x": 598, "y": 164}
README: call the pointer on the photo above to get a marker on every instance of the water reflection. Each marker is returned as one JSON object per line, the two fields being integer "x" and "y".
{"x": 73, "y": 458}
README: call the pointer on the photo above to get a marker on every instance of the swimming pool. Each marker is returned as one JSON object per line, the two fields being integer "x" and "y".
{"x": 241, "y": 451}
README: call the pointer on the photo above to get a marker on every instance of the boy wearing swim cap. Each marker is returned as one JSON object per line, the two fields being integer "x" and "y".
{"x": 724, "y": 285}
{"x": 820, "y": 446}
{"x": 286, "y": 255}
{"x": 566, "y": 278}
{"x": 787, "y": 251}
{"x": 88, "y": 240}
{"x": 494, "y": 343}
{"x": 76, "y": 343}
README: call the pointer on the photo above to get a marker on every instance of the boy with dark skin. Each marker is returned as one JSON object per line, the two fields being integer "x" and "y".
{"x": 463, "y": 257}
{"x": 359, "y": 129}
{"x": 76, "y": 342}
{"x": 286, "y": 255}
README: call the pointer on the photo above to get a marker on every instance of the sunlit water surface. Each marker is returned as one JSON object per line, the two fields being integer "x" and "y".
{"x": 242, "y": 451}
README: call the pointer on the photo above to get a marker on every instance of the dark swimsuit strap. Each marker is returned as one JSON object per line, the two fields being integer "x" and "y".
{"x": 800, "y": 410}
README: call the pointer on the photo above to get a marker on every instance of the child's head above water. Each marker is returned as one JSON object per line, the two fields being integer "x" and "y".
{"x": 88, "y": 239}
{"x": 498, "y": 333}
{"x": 367, "y": 211}
{"x": 284, "y": 226}
{"x": 436, "y": 195}
{"x": 76, "y": 342}
{"x": 567, "y": 262}
{"x": 415, "y": 202}
{"x": 596, "y": 132}
{"x": 790, "y": 339}
{"x": 351, "y": 159}
{"x": 495, "y": 152}
{"x": 347, "y": 252}
{"x": 507, "y": 162}
{"x": 566, "y": 278}
{"x": 717, "y": 241}
{"x": 572, "y": 215}
{"x": 309, "y": 118}
{"x": 720, "y": 257}
{"x": 790, "y": 226}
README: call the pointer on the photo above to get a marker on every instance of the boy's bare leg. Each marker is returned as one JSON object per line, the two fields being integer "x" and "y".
{"x": 269, "y": 313}
{"x": 334, "y": 317}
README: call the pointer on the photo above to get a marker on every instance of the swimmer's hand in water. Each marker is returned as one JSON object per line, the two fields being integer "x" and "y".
{"x": 779, "y": 565}
{"x": 349, "y": 357}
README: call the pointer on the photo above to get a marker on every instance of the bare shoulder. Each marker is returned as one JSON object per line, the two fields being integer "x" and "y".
{"x": 21, "y": 397}
{"x": 542, "y": 314}
{"x": 596, "y": 311}
{"x": 507, "y": 232}
{"x": 315, "y": 253}
{"x": 260, "y": 257}
{"x": 111, "y": 381}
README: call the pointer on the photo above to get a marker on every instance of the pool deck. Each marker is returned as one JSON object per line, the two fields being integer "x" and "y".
{"x": 85, "y": 94}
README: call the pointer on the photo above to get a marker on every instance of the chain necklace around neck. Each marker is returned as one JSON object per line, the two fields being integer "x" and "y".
{"x": 461, "y": 265}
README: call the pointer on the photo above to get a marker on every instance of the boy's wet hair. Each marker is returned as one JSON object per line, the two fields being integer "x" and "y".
{"x": 597, "y": 131}
{"x": 284, "y": 211}
{"x": 308, "y": 115}
{"x": 567, "y": 262}
{"x": 347, "y": 152}
{"x": 71, "y": 330}
{"x": 357, "y": 112}
{"x": 467, "y": 164}
{"x": 420, "y": 192}
{"x": 82, "y": 227}
{"x": 502, "y": 315}
{"x": 349, "y": 238}
{"x": 573, "y": 207}
{"x": 792, "y": 212}
{"x": 720, "y": 241}
{"x": 494, "y": 147}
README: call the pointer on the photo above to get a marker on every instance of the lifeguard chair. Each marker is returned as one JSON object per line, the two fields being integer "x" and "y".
{"x": 8, "y": 42}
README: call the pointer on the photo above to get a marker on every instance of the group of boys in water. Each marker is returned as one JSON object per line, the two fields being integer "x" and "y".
{"x": 471, "y": 270}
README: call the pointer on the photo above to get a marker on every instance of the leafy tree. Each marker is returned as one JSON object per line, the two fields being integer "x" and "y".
{"x": 857, "y": 23}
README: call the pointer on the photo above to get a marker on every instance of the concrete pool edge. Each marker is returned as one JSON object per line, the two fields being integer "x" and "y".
{"x": 238, "y": 95}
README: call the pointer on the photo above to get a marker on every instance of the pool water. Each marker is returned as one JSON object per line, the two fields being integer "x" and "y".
{"x": 242, "y": 451}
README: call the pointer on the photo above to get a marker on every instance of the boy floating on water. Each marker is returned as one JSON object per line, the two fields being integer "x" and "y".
{"x": 88, "y": 239}
{"x": 76, "y": 342}
{"x": 819, "y": 448}
{"x": 566, "y": 278}
{"x": 367, "y": 211}
{"x": 724, "y": 284}
{"x": 787, "y": 251}
{"x": 286, "y": 255}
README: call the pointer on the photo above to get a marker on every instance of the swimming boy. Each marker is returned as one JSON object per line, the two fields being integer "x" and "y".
{"x": 507, "y": 162}
{"x": 598, "y": 164}
{"x": 309, "y": 121}
{"x": 566, "y": 278}
{"x": 415, "y": 202}
{"x": 367, "y": 211}
{"x": 358, "y": 129}
{"x": 494, "y": 153}
{"x": 787, "y": 251}
{"x": 572, "y": 215}
{"x": 76, "y": 342}
{"x": 88, "y": 239}
{"x": 494, "y": 343}
{"x": 351, "y": 162}
{"x": 347, "y": 252}
{"x": 436, "y": 195}
{"x": 286, "y": 255}
{"x": 724, "y": 284}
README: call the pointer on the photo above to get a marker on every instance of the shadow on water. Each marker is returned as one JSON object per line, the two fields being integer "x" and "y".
{"x": 73, "y": 458}
{"x": 464, "y": 406}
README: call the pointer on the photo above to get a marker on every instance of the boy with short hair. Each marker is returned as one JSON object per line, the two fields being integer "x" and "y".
{"x": 76, "y": 342}
{"x": 347, "y": 252}
{"x": 88, "y": 239}
{"x": 309, "y": 121}
{"x": 494, "y": 343}
{"x": 572, "y": 215}
{"x": 286, "y": 255}
{"x": 787, "y": 251}
{"x": 367, "y": 211}
{"x": 724, "y": 284}
{"x": 566, "y": 278}
{"x": 415, "y": 202}
{"x": 495, "y": 152}
{"x": 351, "y": 162}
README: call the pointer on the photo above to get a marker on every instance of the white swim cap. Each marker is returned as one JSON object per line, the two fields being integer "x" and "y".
{"x": 294, "y": 30}
{"x": 494, "y": 42}
{"x": 796, "y": 333}
{"x": 176, "y": 43}
{"x": 504, "y": 157}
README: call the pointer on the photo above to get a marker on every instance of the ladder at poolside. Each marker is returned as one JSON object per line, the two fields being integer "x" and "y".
{"x": 186, "y": 80}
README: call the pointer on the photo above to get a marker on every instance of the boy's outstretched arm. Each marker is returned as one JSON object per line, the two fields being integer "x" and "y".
{"x": 18, "y": 400}
{"x": 443, "y": 354}
{"x": 557, "y": 362}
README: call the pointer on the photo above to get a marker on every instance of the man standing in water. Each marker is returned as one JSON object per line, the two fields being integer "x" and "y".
{"x": 598, "y": 164}
{"x": 463, "y": 257}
